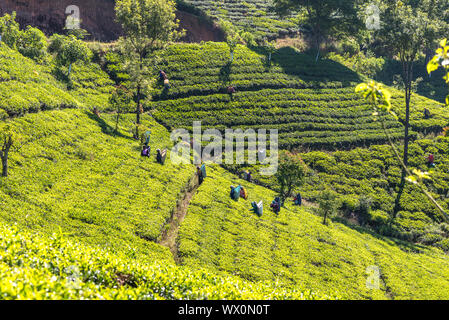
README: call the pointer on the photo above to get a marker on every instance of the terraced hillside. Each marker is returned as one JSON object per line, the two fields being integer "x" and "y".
{"x": 374, "y": 174}
{"x": 26, "y": 86}
{"x": 295, "y": 248}
{"x": 251, "y": 15}
{"x": 77, "y": 179}
{"x": 73, "y": 173}
{"x": 313, "y": 105}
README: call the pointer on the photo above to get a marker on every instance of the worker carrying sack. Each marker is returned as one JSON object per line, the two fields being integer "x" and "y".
{"x": 147, "y": 137}
{"x": 298, "y": 199}
{"x": 244, "y": 193}
{"x": 258, "y": 208}
{"x": 235, "y": 193}
{"x": 161, "y": 156}
{"x": 276, "y": 205}
{"x": 145, "y": 151}
{"x": 203, "y": 171}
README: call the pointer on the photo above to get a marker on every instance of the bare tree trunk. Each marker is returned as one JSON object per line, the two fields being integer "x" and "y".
{"x": 407, "y": 67}
{"x": 4, "y": 156}
{"x": 138, "y": 105}
{"x": 5, "y": 165}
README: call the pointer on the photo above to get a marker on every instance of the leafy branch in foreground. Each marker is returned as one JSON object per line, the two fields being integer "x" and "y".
{"x": 441, "y": 59}
{"x": 380, "y": 99}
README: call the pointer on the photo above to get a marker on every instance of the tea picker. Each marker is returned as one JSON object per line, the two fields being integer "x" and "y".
{"x": 201, "y": 172}
{"x": 298, "y": 199}
{"x": 258, "y": 208}
{"x": 161, "y": 156}
{"x": 276, "y": 205}
{"x": 235, "y": 193}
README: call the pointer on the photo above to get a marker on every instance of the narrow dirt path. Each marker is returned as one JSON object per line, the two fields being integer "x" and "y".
{"x": 171, "y": 229}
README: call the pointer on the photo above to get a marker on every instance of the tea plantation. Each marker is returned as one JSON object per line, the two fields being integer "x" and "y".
{"x": 26, "y": 86}
{"x": 313, "y": 105}
{"x": 83, "y": 214}
{"x": 74, "y": 174}
{"x": 296, "y": 248}
{"x": 251, "y": 15}
{"x": 36, "y": 267}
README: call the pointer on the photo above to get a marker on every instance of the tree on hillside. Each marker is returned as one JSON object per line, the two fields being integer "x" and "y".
{"x": 9, "y": 140}
{"x": 323, "y": 17}
{"x": 120, "y": 101}
{"x": 9, "y": 30}
{"x": 68, "y": 50}
{"x": 31, "y": 42}
{"x": 149, "y": 25}
{"x": 405, "y": 32}
{"x": 328, "y": 202}
{"x": 290, "y": 174}
{"x": 233, "y": 37}
{"x": 380, "y": 100}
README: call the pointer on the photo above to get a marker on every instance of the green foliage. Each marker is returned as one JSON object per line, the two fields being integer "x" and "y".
{"x": 53, "y": 268}
{"x": 365, "y": 64}
{"x": 68, "y": 50}
{"x": 441, "y": 59}
{"x": 10, "y": 30}
{"x": 32, "y": 43}
{"x": 329, "y": 18}
{"x": 290, "y": 174}
{"x": 26, "y": 86}
{"x": 327, "y": 200}
{"x": 29, "y": 87}
{"x": 149, "y": 25}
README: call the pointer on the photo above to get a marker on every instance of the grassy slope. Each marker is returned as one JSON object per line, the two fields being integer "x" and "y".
{"x": 294, "y": 248}
{"x": 26, "y": 86}
{"x": 75, "y": 175}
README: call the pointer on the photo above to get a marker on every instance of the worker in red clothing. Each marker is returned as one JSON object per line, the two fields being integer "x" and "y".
{"x": 431, "y": 161}
{"x": 231, "y": 91}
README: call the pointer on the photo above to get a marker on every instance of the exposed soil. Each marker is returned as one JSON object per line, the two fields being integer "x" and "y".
{"x": 170, "y": 232}
{"x": 97, "y": 17}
